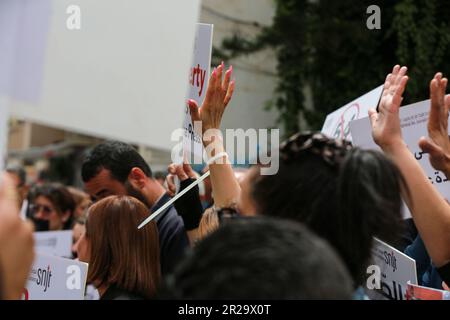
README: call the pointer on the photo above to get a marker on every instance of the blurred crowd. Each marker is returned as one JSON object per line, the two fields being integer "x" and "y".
{"x": 304, "y": 233}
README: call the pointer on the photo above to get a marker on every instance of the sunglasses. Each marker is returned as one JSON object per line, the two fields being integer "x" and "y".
{"x": 36, "y": 208}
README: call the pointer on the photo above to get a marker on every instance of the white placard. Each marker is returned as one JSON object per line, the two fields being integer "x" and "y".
{"x": 337, "y": 123}
{"x": 397, "y": 269}
{"x": 122, "y": 75}
{"x": 4, "y": 129}
{"x": 413, "y": 120}
{"x": 55, "y": 278}
{"x": 198, "y": 83}
{"x": 56, "y": 243}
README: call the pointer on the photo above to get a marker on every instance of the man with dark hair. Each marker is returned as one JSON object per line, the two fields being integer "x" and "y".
{"x": 260, "y": 258}
{"x": 116, "y": 168}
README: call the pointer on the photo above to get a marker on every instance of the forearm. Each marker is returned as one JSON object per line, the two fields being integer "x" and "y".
{"x": 430, "y": 211}
{"x": 225, "y": 187}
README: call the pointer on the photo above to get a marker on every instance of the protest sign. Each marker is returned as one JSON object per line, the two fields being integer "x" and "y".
{"x": 57, "y": 243}
{"x": 397, "y": 269}
{"x": 198, "y": 83}
{"x": 55, "y": 278}
{"x": 415, "y": 292}
{"x": 337, "y": 123}
{"x": 4, "y": 129}
{"x": 413, "y": 121}
{"x": 121, "y": 76}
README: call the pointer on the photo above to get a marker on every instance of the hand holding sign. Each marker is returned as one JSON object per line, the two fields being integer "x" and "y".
{"x": 386, "y": 129}
{"x": 438, "y": 144}
{"x": 218, "y": 95}
{"x": 182, "y": 171}
{"x": 16, "y": 243}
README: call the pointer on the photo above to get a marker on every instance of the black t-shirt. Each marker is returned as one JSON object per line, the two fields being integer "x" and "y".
{"x": 173, "y": 239}
{"x": 444, "y": 272}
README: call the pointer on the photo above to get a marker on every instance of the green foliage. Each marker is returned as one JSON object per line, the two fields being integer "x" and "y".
{"x": 326, "y": 45}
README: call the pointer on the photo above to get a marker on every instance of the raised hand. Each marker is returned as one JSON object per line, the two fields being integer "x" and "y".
{"x": 182, "y": 171}
{"x": 438, "y": 144}
{"x": 218, "y": 95}
{"x": 386, "y": 129}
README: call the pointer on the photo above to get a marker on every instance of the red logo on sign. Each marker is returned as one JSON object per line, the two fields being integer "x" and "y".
{"x": 343, "y": 127}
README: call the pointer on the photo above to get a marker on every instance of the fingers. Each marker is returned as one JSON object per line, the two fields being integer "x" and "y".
{"x": 226, "y": 81}
{"x": 400, "y": 75}
{"x": 211, "y": 88}
{"x": 193, "y": 108}
{"x": 439, "y": 101}
{"x": 387, "y": 85}
{"x": 447, "y": 103}
{"x": 397, "y": 98}
{"x": 430, "y": 147}
{"x": 443, "y": 86}
{"x": 373, "y": 117}
{"x": 180, "y": 172}
{"x": 219, "y": 74}
{"x": 393, "y": 79}
{"x": 229, "y": 93}
{"x": 188, "y": 170}
{"x": 434, "y": 92}
{"x": 171, "y": 187}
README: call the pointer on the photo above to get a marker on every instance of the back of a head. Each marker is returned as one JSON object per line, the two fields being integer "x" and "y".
{"x": 345, "y": 195}
{"x": 120, "y": 253}
{"x": 117, "y": 157}
{"x": 78, "y": 195}
{"x": 261, "y": 258}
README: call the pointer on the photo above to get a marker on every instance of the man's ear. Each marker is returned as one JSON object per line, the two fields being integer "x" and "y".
{"x": 137, "y": 177}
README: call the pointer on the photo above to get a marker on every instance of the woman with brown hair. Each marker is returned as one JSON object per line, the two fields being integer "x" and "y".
{"x": 123, "y": 261}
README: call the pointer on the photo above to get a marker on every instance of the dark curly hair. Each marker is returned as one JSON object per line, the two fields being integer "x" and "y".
{"x": 346, "y": 195}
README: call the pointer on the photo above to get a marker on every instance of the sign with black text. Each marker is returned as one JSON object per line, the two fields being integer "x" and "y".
{"x": 55, "y": 278}
{"x": 396, "y": 271}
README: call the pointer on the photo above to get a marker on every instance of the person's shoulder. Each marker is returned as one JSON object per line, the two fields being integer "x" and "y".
{"x": 170, "y": 219}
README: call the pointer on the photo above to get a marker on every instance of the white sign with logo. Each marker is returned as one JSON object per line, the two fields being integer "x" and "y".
{"x": 128, "y": 62}
{"x": 413, "y": 121}
{"x": 397, "y": 269}
{"x": 198, "y": 83}
{"x": 55, "y": 278}
{"x": 337, "y": 123}
{"x": 57, "y": 243}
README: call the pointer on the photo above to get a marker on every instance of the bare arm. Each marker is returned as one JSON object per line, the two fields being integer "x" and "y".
{"x": 225, "y": 187}
{"x": 430, "y": 211}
